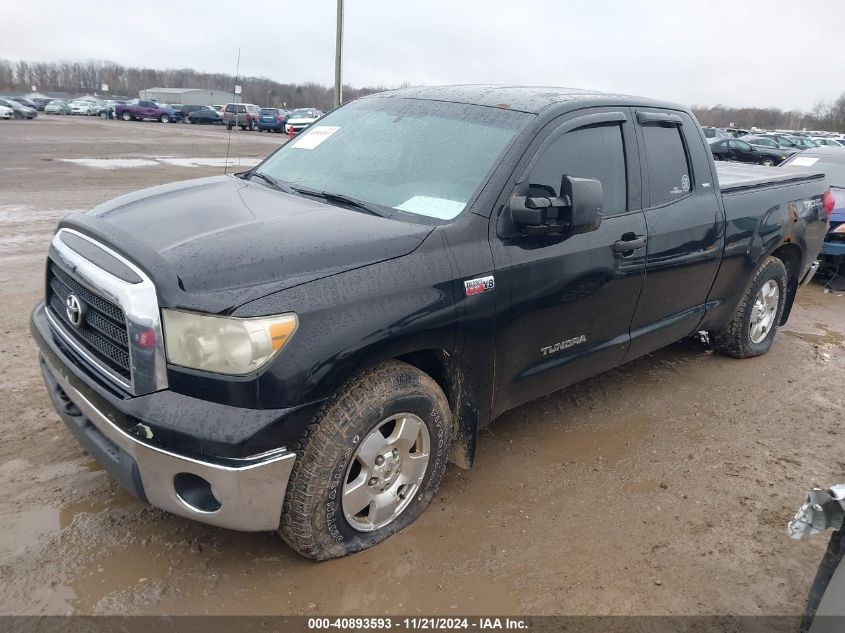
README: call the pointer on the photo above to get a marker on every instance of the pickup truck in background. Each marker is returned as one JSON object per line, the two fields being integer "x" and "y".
{"x": 141, "y": 109}
{"x": 303, "y": 346}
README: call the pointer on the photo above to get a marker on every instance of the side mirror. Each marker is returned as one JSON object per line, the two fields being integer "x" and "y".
{"x": 577, "y": 210}
{"x": 586, "y": 200}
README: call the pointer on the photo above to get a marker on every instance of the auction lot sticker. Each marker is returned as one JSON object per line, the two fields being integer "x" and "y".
{"x": 804, "y": 161}
{"x": 315, "y": 136}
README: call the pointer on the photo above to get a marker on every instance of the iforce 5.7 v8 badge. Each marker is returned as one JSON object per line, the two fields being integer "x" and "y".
{"x": 478, "y": 285}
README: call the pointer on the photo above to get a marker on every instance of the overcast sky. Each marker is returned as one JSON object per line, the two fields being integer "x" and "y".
{"x": 782, "y": 53}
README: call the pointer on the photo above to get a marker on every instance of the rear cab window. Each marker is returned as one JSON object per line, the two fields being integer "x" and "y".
{"x": 670, "y": 175}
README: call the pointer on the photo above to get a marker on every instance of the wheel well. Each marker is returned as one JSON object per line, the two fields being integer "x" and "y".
{"x": 453, "y": 376}
{"x": 792, "y": 258}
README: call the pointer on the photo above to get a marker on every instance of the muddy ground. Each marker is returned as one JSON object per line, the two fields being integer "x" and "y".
{"x": 663, "y": 487}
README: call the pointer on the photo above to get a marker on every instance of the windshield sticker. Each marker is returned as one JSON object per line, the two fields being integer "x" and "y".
{"x": 804, "y": 161}
{"x": 316, "y": 135}
{"x": 441, "y": 208}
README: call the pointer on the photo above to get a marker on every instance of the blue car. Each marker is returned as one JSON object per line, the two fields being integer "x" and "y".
{"x": 272, "y": 120}
{"x": 831, "y": 161}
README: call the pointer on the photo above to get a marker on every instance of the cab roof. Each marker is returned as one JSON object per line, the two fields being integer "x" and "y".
{"x": 530, "y": 99}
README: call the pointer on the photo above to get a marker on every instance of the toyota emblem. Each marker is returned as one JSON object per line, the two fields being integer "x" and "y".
{"x": 73, "y": 309}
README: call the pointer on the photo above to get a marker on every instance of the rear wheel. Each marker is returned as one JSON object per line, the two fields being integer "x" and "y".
{"x": 369, "y": 464}
{"x": 126, "y": 116}
{"x": 751, "y": 330}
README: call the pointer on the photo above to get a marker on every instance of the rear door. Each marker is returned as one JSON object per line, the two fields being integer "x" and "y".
{"x": 685, "y": 229}
{"x": 569, "y": 300}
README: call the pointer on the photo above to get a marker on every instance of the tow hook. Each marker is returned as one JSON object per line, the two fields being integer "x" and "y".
{"x": 823, "y": 509}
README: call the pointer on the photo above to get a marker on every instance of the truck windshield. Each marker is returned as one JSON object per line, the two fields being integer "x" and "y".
{"x": 421, "y": 157}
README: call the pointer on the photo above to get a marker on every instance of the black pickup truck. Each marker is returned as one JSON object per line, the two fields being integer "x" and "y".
{"x": 302, "y": 347}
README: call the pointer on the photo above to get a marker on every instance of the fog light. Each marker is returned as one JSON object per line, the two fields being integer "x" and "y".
{"x": 196, "y": 493}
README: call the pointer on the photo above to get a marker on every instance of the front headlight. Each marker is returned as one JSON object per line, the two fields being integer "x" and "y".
{"x": 225, "y": 345}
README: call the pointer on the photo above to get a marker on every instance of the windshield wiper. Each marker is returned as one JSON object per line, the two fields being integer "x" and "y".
{"x": 344, "y": 199}
{"x": 278, "y": 185}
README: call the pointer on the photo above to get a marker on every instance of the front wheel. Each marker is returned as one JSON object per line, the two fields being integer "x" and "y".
{"x": 751, "y": 330}
{"x": 164, "y": 118}
{"x": 369, "y": 464}
{"x": 768, "y": 163}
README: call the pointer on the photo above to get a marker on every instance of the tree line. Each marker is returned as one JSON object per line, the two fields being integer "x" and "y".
{"x": 87, "y": 77}
{"x": 826, "y": 115}
{"x": 123, "y": 81}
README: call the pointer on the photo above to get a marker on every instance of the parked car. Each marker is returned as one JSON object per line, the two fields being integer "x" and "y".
{"x": 272, "y": 120}
{"x": 6, "y": 113}
{"x": 803, "y": 142}
{"x": 301, "y": 118}
{"x": 766, "y": 141}
{"x": 827, "y": 141}
{"x": 824, "y": 510}
{"x": 734, "y": 149}
{"x": 25, "y": 101}
{"x": 57, "y": 106}
{"x": 830, "y": 161}
{"x": 219, "y": 107}
{"x": 716, "y": 132}
{"x": 205, "y": 115}
{"x": 141, "y": 109}
{"x": 244, "y": 115}
{"x": 102, "y": 109}
{"x": 41, "y": 102}
{"x": 20, "y": 111}
{"x": 303, "y": 346}
{"x": 82, "y": 107}
{"x": 782, "y": 139}
{"x": 185, "y": 110}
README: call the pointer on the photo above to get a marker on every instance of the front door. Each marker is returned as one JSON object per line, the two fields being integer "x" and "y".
{"x": 569, "y": 299}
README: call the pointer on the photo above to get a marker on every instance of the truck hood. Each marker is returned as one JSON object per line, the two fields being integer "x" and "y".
{"x": 233, "y": 241}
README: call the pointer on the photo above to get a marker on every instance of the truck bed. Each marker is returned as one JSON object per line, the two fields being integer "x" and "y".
{"x": 742, "y": 177}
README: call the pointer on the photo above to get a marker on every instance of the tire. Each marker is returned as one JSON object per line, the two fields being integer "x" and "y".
{"x": 769, "y": 162}
{"x": 164, "y": 118}
{"x": 126, "y": 116}
{"x": 103, "y": 115}
{"x": 229, "y": 126}
{"x": 737, "y": 338}
{"x": 361, "y": 418}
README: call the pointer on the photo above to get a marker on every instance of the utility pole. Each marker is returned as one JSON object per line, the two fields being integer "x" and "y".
{"x": 338, "y": 56}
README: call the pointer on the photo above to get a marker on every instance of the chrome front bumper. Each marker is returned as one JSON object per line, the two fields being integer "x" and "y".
{"x": 249, "y": 491}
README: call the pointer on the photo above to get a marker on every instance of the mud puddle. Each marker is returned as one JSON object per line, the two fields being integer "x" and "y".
{"x": 828, "y": 337}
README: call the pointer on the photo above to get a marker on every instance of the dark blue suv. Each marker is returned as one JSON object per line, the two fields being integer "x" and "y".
{"x": 272, "y": 119}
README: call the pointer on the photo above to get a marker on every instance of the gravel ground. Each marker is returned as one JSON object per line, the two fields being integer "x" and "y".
{"x": 662, "y": 487}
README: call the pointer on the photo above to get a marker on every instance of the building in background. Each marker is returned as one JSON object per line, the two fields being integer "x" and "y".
{"x": 188, "y": 96}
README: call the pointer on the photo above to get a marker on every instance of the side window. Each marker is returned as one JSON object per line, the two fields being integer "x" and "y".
{"x": 230, "y": 107}
{"x": 668, "y": 163}
{"x": 591, "y": 152}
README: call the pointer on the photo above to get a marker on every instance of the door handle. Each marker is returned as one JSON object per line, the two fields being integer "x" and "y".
{"x": 629, "y": 245}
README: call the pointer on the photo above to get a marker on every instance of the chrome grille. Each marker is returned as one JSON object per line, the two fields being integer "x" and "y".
{"x": 102, "y": 331}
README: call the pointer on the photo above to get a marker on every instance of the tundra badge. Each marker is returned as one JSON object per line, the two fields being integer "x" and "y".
{"x": 554, "y": 349}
